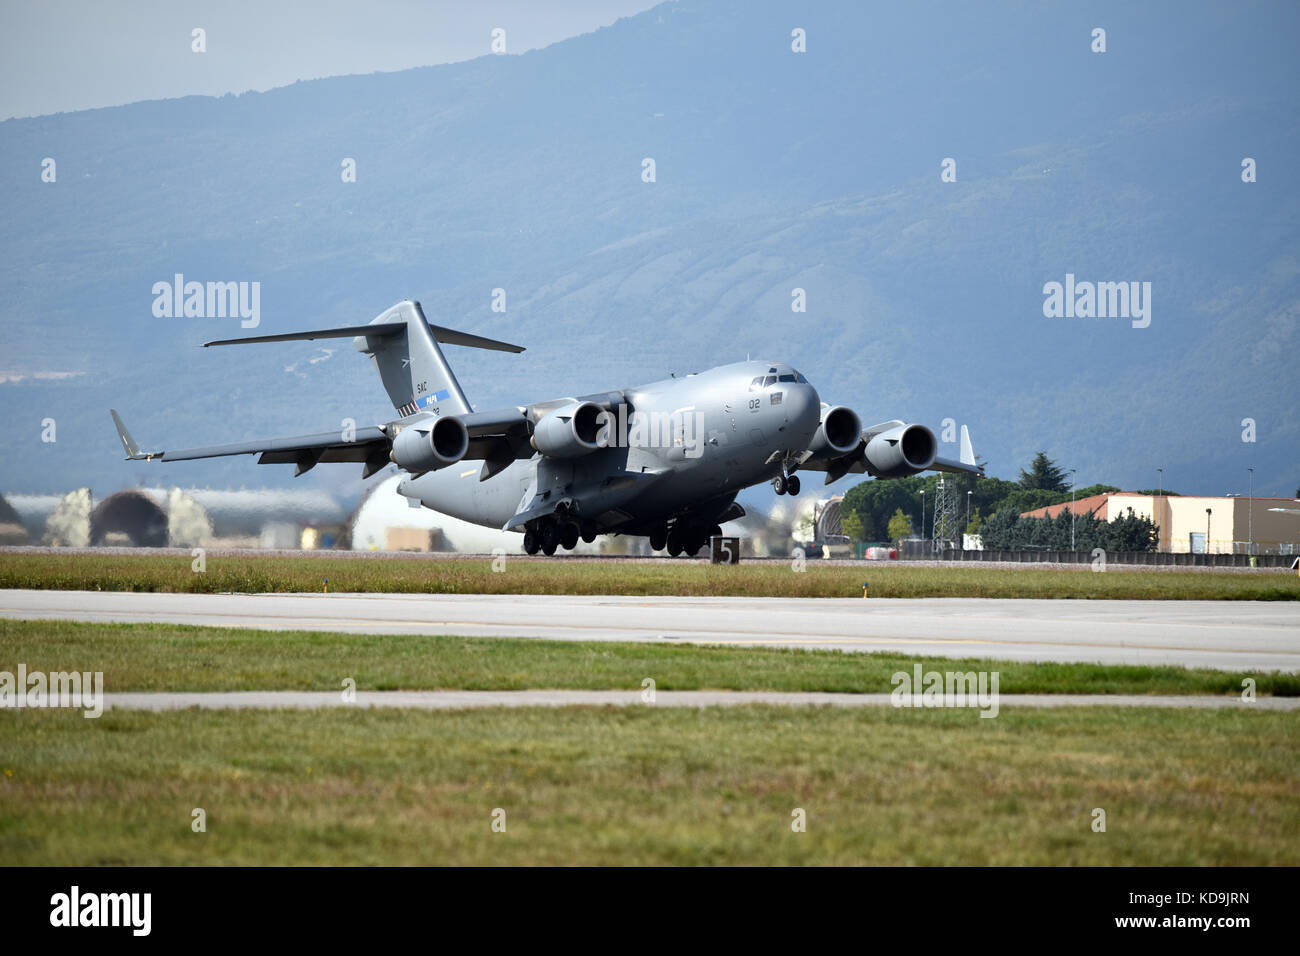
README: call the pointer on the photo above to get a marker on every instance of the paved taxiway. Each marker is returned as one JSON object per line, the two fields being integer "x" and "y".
{"x": 468, "y": 699}
{"x": 1226, "y": 635}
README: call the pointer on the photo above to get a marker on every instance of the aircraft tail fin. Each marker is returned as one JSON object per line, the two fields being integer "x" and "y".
{"x": 404, "y": 347}
{"x": 413, "y": 369}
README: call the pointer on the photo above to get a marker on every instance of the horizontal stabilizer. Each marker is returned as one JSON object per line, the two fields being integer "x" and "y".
{"x": 347, "y": 332}
{"x": 377, "y": 330}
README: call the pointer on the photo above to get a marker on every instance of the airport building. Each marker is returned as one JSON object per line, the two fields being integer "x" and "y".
{"x": 178, "y": 518}
{"x": 1201, "y": 525}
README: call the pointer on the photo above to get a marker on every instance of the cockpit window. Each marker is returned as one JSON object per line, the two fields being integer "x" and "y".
{"x": 798, "y": 377}
{"x": 787, "y": 378}
{"x": 770, "y": 380}
{"x": 756, "y": 384}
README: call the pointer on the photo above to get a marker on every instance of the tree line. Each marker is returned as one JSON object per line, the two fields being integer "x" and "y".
{"x": 991, "y": 507}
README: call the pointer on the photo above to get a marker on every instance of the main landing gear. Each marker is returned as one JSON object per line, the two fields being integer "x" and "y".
{"x": 549, "y": 535}
{"x": 682, "y": 537}
{"x": 786, "y": 485}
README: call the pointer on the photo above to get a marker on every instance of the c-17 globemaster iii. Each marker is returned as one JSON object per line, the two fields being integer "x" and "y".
{"x": 665, "y": 459}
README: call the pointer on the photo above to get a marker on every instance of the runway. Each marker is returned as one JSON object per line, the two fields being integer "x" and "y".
{"x": 1226, "y": 635}
{"x": 473, "y": 699}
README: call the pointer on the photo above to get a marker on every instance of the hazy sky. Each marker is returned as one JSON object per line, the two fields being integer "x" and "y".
{"x": 59, "y": 55}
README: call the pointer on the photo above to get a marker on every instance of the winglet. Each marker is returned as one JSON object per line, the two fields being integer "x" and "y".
{"x": 133, "y": 452}
{"x": 967, "y": 452}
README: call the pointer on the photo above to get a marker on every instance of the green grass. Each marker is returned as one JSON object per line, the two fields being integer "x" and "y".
{"x": 651, "y": 786}
{"x": 275, "y": 573}
{"x": 170, "y": 657}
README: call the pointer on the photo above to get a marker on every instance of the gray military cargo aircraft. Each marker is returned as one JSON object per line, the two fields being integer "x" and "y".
{"x": 664, "y": 460}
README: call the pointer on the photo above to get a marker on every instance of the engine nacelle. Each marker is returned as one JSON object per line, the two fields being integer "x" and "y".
{"x": 902, "y": 451}
{"x": 568, "y": 431}
{"x": 838, "y": 434}
{"x": 430, "y": 445}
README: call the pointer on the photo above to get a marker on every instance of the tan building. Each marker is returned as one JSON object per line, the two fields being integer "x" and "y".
{"x": 1190, "y": 523}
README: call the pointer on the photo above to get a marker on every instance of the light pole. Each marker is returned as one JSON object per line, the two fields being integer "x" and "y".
{"x": 1207, "y": 532}
{"x": 1072, "y": 471}
{"x": 922, "y": 514}
{"x": 1159, "y": 498}
{"x": 968, "y": 494}
{"x": 1250, "y": 515}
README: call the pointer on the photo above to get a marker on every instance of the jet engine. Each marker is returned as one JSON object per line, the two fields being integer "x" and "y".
{"x": 568, "y": 431}
{"x": 838, "y": 434}
{"x": 901, "y": 451}
{"x": 430, "y": 445}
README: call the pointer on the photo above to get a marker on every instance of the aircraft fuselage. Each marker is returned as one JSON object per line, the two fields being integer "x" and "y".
{"x": 730, "y": 429}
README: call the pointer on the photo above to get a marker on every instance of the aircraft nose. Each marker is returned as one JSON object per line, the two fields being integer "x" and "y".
{"x": 803, "y": 409}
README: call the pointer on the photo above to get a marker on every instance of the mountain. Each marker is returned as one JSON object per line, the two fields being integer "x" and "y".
{"x": 775, "y": 170}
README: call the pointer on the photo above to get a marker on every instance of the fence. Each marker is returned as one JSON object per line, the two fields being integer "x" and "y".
{"x": 1162, "y": 558}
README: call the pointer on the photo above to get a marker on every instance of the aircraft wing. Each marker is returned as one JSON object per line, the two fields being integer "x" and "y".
{"x": 956, "y": 467}
{"x": 497, "y": 438}
{"x": 501, "y": 436}
{"x": 369, "y": 444}
{"x": 855, "y": 462}
{"x": 966, "y": 465}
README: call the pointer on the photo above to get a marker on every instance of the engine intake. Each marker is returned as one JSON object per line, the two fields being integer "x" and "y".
{"x": 430, "y": 445}
{"x": 901, "y": 451}
{"x": 838, "y": 434}
{"x": 568, "y": 431}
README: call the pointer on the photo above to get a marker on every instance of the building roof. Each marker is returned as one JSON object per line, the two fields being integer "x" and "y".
{"x": 1097, "y": 503}
{"x": 1101, "y": 503}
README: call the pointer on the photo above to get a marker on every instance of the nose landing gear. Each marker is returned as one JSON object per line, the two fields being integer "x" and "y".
{"x": 786, "y": 485}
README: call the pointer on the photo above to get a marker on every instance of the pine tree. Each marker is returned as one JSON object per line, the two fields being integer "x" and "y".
{"x": 1044, "y": 474}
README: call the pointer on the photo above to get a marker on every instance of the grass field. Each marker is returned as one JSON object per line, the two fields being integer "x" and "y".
{"x": 158, "y": 657}
{"x": 276, "y": 573}
{"x": 610, "y": 786}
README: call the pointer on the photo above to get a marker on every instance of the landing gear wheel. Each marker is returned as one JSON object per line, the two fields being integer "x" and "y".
{"x": 588, "y": 531}
{"x": 550, "y": 538}
{"x": 658, "y": 539}
{"x": 792, "y": 485}
{"x": 569, "y": 536}
{"x": 715, "y": 531}
{"x": 674, "y": 543}
{"x": 531, "y": 544}
{"x": 778, "y": 484}
{"x": 695, "y": 542}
